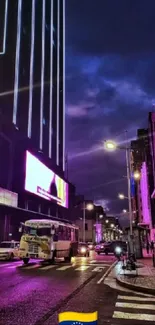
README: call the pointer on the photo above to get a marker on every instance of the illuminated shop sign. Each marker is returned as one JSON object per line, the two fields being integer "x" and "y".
{"x": 42, "y": 181}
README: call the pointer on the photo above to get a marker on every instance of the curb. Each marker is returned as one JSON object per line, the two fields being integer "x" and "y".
{"x": 107, "y": 272}
{"x": 135, "y": 287}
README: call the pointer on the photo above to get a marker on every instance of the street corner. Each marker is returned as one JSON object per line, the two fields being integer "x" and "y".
{"x": 138, "y": 283}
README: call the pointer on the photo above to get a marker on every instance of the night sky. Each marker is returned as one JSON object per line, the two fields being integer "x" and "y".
{"x": 110, "y": 87}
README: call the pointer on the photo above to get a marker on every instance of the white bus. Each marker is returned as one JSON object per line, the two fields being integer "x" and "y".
{"x": 47, "y": 240}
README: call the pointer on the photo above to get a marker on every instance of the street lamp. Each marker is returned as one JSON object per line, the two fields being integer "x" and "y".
{"x": 121, "y": 196}
{"x": 136, "y": 175}
{"x": 112, "y": 225}
{"x": 106, "y": 221}
{"x": 124, "y": 211}
{"x": 110, "y": 145}
{"x": 89, "y": 207}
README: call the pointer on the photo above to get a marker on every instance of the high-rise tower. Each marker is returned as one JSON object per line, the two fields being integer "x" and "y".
{"x": 32, "y": 79}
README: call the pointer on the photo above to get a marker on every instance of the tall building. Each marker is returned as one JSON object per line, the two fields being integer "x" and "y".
{"x": 143, "y": 161}
{"x": 32, "y": 112}
{"x": 32, "y": 79}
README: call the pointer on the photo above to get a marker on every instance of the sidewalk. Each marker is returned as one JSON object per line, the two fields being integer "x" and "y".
{"x": 143, "y": 280}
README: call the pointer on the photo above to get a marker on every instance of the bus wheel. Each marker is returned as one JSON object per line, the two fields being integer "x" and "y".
{"x": 25, "y": 260}
{"x": 69, "y": 257}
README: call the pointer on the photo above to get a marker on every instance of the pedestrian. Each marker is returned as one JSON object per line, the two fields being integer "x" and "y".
{"x": 147, "y": 247}
{"x": 152, "y": 246}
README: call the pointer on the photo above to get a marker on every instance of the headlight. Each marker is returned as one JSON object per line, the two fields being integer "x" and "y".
{"x": 83, "y": 250}
{"x": 118, "y": 250}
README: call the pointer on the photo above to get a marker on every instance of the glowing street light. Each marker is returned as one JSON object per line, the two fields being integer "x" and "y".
{"x": 110, "y": 145}
{"x": 121, "y": 196}
{"x": 136, "y": 175}
{"x": 89, "y": 207}
{"x": 106, "y": 221}
{"x": 124, "y": 211}
{"x": 112, "y": 225}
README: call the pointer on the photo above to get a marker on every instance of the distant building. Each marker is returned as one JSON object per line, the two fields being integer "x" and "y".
{"x": 143, "y": 161}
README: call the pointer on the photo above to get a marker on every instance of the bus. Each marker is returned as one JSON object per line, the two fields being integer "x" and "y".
{"x": 48, "y": 239}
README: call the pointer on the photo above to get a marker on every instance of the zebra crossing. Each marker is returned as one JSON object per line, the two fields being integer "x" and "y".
{"x": 138, "y": 308}
{"x": 56, "y": 267}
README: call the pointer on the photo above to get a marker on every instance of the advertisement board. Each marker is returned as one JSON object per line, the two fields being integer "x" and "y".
{"x": 43, "y": 182}
{"x": 8, "y": 198}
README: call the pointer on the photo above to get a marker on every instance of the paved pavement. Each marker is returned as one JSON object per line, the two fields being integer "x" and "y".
{"x": 35, "y": 294}
{"x": 143, "y": 279}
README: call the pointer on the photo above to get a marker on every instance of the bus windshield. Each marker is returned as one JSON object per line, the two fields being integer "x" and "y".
{"x": 37, "y": 231}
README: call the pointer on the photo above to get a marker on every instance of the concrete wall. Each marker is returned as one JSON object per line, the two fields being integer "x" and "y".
{"x": 89, "y": 230}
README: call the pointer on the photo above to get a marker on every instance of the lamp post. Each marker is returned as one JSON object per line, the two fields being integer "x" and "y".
{"x": 88, "y": 207}
{"x": 112, "y": 146}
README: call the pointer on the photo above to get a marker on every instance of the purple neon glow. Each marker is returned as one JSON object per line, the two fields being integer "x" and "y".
{"x": 145, "y": 195}
{"x": 39, "y": 178}
{"x": 98, "y": 232}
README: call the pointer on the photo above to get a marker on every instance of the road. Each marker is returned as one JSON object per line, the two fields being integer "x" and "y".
{"x": 35, "y": 294}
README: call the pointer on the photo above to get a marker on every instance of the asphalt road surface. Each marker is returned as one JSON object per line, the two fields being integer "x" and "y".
{"x": 37, "y": 293}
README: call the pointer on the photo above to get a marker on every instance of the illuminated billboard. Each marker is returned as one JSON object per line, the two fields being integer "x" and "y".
{"x": 42, "y": 181}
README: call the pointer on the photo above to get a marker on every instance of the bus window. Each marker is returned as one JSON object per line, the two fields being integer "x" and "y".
{"x": 72, "y": 235}
{"x": 76, "y": 235}
{"x": 60, "y": 233}
{"x": 68, "y": 233}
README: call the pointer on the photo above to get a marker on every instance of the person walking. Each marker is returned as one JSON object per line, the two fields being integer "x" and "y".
{"x": 152, "y": 246}
{"x": 147, "y": 247}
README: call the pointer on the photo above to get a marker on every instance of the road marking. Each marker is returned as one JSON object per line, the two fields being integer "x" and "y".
{"x": 134, "y": 305}
{"x": 106, "y": 273}
{"x": 30, "y": 267}
{"x": 135, "y": 298}
{"x": 82, "y": 268}
{"x": 98, "y": 269}
{"x": 99, "y": 264}
{"x": 63, "y": 268}
{"x": 48, "y": 267}
{"x": 146, "y": 317}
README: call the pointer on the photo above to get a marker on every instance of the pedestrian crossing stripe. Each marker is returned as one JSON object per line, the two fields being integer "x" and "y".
{"x": 129, "y": 302}
{"x": 63, "y": 268}
{"x": 144, "y": 317}
{"x": 82, "y": 268}
{"x": 48, "y": 267}
{"x": 134, "y": 305}
{"x": 135, "y": 298}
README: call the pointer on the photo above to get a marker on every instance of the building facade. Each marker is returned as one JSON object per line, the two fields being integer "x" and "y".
{"x": 32, "y": 105}
{"x": 143, "y": 161}
{"x": 32, "y": 81}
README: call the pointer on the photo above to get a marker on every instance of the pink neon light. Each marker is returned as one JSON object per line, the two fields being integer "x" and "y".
{"x": 98, "y": 232}
{"x": 40, "y": 178}
{"x": 145, "y": 195}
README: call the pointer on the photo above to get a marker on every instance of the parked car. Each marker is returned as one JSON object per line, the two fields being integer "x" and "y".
{"x": 9, "y": 250}
{"x": 83, "y": 250}
{"x": 109, "y": 247}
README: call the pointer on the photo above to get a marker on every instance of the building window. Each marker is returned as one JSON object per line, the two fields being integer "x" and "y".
{"x": 86, "y": 226}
